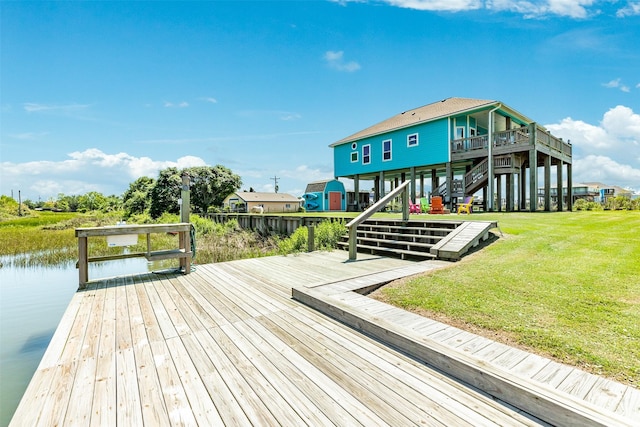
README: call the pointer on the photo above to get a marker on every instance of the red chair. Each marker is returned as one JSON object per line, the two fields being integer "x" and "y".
{"x": 436, "y": 206}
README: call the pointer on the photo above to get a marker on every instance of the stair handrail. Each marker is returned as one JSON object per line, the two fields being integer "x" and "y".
{"x": 376, "y": 207}
{"x": 440, "y": 190}
{"x": 476, "y": 174}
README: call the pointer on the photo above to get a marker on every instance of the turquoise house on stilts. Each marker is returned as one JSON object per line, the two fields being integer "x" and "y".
{"x": 460, "y": 147}
{"x": 323, "y": 196}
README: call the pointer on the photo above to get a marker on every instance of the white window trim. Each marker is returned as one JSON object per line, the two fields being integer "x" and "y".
{"x": 390, "y": 150}
{"x": 368, "y": 146}
{"x": 357, "y": 157}
{"x": 409, "y": 140}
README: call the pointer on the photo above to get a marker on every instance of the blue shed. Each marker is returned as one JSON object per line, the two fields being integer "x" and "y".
{"x": 326, "y": 195}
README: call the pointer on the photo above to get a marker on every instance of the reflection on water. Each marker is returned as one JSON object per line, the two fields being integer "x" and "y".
{"x": 37, "y": 342}
{"x": 32, "y": 302}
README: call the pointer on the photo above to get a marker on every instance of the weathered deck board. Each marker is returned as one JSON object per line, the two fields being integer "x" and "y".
{"x": 557, "y": 393}
{"x": 226, "y": 345}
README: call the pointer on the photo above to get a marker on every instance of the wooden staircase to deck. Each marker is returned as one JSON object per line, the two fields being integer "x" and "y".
{"x": 477, "y": 177}
{"x": 419, "y": 239}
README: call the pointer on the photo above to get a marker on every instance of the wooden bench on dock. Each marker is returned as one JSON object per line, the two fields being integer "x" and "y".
{"x": 183, "y": 253}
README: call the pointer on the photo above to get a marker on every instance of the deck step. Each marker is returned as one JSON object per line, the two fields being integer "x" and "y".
{"x": 403, "y": 253}
{"x": 418, "y": 238}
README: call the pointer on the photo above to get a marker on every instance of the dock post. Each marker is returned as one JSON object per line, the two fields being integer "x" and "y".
{"x": 185, "y": 211}
{"x": 311, "y": 238}
{"x": 83, "y": 262}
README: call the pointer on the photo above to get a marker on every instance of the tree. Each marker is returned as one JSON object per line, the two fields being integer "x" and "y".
{"x": 67, "y": 203}
{"x": 137, "y": 198}
{"x": 211, "y": 185}
{"x": 92, "y": 201}
{"x": 165, "y": 193}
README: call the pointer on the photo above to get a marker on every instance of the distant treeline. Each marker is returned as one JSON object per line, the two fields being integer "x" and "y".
{"x": 145, "y": 196}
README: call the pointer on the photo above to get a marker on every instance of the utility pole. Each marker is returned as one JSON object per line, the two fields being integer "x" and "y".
{"x": 275, "y": 182}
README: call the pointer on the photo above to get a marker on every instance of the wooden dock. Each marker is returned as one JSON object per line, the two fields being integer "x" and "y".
{"x": 227, "y": 345}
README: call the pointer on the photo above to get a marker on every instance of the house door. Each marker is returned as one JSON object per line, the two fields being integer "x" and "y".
{"x": 335, "y": 201}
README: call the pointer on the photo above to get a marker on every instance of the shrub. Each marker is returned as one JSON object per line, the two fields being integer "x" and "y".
{"x": 328, "y": 234}
{"x": 580, "y": 205}
{"x": 297, "y": 242}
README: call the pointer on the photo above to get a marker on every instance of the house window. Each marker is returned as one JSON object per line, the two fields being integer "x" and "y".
{"x": 386, "y": 150}
{"x": 354, "y": 157}
{"x": 412, "y": 140}
{"x": 366, "y": 154}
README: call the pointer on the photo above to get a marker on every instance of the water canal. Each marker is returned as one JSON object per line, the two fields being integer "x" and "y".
{"x": 32, "y": 302}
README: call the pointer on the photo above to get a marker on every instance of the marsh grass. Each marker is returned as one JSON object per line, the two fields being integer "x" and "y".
{"x": 565, "y": 285}
{"x": 49, "y": 239}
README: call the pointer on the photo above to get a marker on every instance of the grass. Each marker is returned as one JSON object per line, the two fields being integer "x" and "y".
{"x": 565, "y": 285}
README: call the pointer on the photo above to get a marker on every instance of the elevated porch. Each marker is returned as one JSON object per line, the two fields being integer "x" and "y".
{"x": 517, "y": 140}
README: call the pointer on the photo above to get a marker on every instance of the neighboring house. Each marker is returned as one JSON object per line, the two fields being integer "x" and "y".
{"x": 270, "y": 202}
{"x": 451, "y": 143}
{"x": 607, "y": 191}
{"x": 328, "y": 195}
{"x": 589, "y": 191}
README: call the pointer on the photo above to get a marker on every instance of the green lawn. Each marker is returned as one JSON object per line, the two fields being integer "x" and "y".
{"x": 565, "y": 285}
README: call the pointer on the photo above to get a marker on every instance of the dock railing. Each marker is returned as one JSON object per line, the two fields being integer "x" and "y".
{"x": 183, "y": 253}
{"x": 376, "y": 207}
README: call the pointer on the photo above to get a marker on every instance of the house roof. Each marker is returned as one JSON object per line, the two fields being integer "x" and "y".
{"x": 437, "y": 110}
{"x": 266, "y": 197}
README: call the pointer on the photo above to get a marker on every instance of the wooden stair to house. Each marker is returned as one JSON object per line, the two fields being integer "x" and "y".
{"x": 393, "y": 237}
{"x": 478, "y": 177}
{"x": 419, "y": 239}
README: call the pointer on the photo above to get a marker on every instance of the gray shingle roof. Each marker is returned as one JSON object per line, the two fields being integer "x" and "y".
{"x": 436, "y": 110}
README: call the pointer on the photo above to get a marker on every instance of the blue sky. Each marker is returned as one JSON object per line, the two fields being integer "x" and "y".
{"x": 95, "y": 94}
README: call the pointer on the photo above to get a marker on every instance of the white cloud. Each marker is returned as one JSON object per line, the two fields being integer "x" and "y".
{"x": 617, "y": 83}
{"x": 532, "y": 9}
{"x": 589, "y": 136}
{"x": 603, "y": 169}
{"x": 335, "y": 60}
{"x": 632, "y": 8}
{"x": 309, "y": 174}
{"x": 575, "y": 9}
{"x": 32, "y": 107}
{"x": 83, "y": 171}
{"x": 210, "y": 99}
{"x": 182, "y": 104}
{"x": 608, "y": 152}
{"x": 437, "y": 5}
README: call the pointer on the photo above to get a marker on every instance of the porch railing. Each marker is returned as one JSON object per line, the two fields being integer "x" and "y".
{"x": 469, "y": 144}
{"x": 377, "y": 206}
{"x": 520, "y": 136}
{"x": 545, "y": 138}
